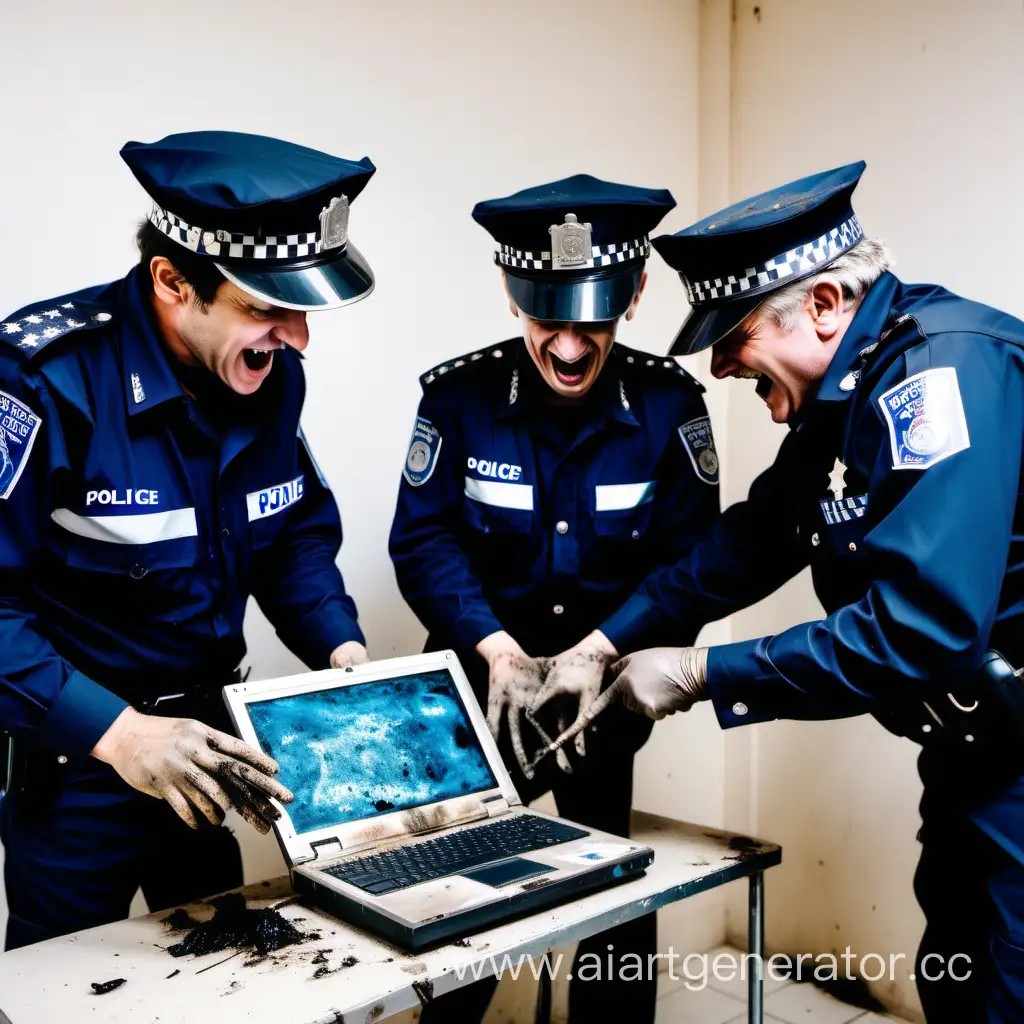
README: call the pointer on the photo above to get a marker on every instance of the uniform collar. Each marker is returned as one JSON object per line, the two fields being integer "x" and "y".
{"x": 868, "y": 323}
{"x": 149, "y": 380}
{"x": 525, "y": 388}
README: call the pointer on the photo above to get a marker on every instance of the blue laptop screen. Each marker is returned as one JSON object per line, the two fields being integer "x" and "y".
{"x": 352, "y": 752}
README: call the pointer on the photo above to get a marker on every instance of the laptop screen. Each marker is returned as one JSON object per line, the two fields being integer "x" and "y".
{"x": 352, "y": 752}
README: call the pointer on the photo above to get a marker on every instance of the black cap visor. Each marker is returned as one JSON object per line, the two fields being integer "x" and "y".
{"x": 557, "y": 297}
{"x": 705, "y": 325}
{"x": 324, "y": 284}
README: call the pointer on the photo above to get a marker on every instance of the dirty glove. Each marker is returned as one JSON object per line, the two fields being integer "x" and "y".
{"x": 578, "y": 673}
{"x": 514, "y": 681}
{"x": 193, "y": 767}
{"x": 656, "y": 683}
{"x": 662, "y": 680}
{"x": 351, "y": 652}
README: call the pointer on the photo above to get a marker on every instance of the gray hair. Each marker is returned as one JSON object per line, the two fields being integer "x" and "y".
{"x": 857, "y": 270}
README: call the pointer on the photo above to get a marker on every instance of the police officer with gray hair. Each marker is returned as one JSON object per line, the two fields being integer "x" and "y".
{"x": 899, "y": 484}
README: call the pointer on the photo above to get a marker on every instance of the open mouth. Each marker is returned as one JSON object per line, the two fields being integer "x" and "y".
{"x": 763, "y": 386}
{"x": 570, "y": 374}
{"x": 258, "y": 360}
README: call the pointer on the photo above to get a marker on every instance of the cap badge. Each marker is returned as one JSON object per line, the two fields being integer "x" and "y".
{"x": 571, "y": 244}
{"x": 334, "y": 223}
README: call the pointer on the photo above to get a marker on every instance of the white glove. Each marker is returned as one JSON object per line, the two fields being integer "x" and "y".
{"x": 662, "y": 680}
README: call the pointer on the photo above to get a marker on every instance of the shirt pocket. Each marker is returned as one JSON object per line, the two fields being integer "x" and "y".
{"x": 630, "y": 524}
{"x": 127, "y": 577}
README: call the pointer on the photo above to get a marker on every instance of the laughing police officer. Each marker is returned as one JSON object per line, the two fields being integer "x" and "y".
{"x": 899, "y": 484}
{"x": 547, "y": 475}
{"x": 153, "y": 476}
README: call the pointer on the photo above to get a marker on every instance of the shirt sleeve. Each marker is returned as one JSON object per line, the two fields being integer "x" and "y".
{"x": 297, "y": 582}
{"x": 936, "y": 551}
{"x": 431, "y": 565}
{"x": 43, "y": 698}
{"x": 750, "y": 551}
{"x": 686, "y": 506}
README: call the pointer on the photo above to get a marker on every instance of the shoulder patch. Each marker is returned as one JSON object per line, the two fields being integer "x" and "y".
{"x": 31, "y": 329}
{"x": 491, "y": 353}
{"x": 424, "y": 448}
{"x": 925, "y": 416}
{"x": 700, "y": 446}
{"x": 18, "y": 428}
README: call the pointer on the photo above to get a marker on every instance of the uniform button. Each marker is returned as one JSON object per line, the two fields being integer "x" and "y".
{"x": 739, "y": 708}
{"x": 853, "y": 547}
{"x": 137, "y": 571}
{"x": 636, "y": 535}
{"x": 558, "y": 609}
{"x": 562, "y": 526}
{"x": 226, "y": 532}
{"x": 815, "y": 540}
{"x": 62, "y": 759}
{"x": 926, "y": 728}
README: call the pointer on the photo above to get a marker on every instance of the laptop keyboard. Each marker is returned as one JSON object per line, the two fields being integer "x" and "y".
{"x": 453, "y": 853}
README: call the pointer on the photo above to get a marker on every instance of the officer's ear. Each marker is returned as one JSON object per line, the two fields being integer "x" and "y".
{"x": 631, "y": 312}
{"x": 511, "y": 302}
{"x": 169, "y": 287}
{"x": 826, "y": 304}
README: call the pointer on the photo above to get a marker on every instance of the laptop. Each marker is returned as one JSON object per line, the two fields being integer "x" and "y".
{"x": 405, "y": 822}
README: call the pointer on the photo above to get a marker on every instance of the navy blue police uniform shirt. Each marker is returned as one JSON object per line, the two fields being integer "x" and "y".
{"x": 134, "y": 523}
{"x": 518, "y": 514}
{"x": 900, "y": 487}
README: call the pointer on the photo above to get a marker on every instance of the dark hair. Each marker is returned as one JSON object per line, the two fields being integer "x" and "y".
{"x": 199, "y": 271}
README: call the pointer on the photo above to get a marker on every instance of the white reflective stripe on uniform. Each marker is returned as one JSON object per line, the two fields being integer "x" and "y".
{"x": 147, "y": 528}
{"x": 491, "y": 492}
{"x": 613, "y": 497}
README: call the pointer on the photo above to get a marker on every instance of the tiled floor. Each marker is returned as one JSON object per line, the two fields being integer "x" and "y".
{"x": 724, "y": 1002}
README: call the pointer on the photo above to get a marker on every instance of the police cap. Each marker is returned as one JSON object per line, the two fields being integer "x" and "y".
{"x": 574, "y": 250}
{"x": 729, "y": 262}
{"x": 271, "y": 215}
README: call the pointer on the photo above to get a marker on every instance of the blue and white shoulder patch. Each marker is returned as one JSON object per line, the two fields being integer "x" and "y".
{"x": 700, "y": 446}
{"x": 424, "y": 449}
{"x": 31, "y": 329}
{"x": 18, "y": 428}
{"x": 926, "y": 420}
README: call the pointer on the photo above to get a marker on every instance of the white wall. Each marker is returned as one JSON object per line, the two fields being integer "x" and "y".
{"x": 455, "y": 101}
{"x": 930, "y": 94}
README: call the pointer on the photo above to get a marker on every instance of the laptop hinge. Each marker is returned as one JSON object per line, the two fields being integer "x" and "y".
{"x": 330, "y": 847}
{"x": 495, "y": 805}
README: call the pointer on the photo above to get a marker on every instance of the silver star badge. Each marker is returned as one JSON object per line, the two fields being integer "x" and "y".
{"x": 837, "y": 479}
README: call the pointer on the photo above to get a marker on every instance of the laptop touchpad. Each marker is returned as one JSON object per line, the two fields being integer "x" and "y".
{"x": 505, "y": 872}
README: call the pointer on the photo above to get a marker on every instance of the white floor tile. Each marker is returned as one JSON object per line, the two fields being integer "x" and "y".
{"x": 704, "y": 1007}
{"x": 875, "y": 1018}
{"x": 737, "y": 986}
{"x": 804, "y": 1004}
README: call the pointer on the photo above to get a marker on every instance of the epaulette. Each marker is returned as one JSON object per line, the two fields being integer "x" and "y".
{"x": 476, "y": 358}
{"x": 666, "y": 365}
{"x": 32, "y": 329}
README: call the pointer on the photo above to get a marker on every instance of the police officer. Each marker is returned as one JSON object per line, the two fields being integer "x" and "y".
{"x": 546, "y": 476}
{"x": 153, "y": 476}
{"x": 899, "y": 484}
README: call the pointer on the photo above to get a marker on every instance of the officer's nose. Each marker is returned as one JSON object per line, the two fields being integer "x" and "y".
{"x": 722, "y": 364}
{"x": 293, "y": 330}
{"x": 569, "y": 345}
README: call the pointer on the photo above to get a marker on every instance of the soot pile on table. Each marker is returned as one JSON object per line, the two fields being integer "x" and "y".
{"x": 234, "y": 926}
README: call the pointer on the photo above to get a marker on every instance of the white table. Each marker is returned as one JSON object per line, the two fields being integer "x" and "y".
{"x": 51, "y": 981}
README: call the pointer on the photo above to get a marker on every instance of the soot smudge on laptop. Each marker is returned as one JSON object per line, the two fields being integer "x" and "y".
{"x": 350, "y": 753}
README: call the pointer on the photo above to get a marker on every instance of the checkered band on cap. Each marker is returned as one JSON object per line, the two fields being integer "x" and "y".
{"x": 231, "y": 245}
{"x": 766, "y": 277}
{"x": 600, "y": 256}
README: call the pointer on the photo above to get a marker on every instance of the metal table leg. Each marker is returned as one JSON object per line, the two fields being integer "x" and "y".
{"x": 755, "y": 945}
